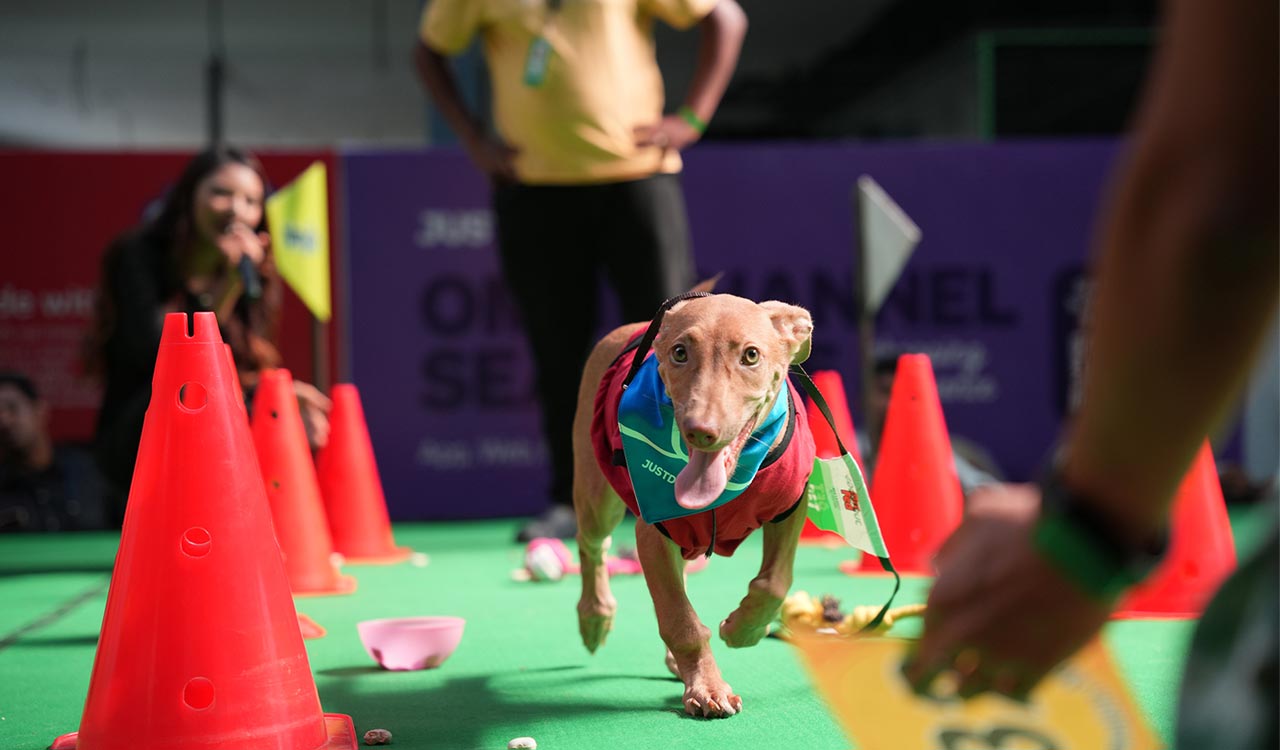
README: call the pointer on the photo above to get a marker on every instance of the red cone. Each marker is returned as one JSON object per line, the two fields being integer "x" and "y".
{"x": 200, "y": 645}
{"x": 915, "y": 489}
{"x": 1202, "y": 550}
{"x": 351, "y": 487}
{"x": 290, "y": 479}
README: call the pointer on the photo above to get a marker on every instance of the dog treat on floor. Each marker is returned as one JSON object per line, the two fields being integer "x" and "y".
{"x": 802, "y": 612}
{"x": 377, "y": 737}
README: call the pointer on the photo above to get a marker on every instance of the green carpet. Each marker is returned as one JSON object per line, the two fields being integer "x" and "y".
{"x": 520, "y": 669}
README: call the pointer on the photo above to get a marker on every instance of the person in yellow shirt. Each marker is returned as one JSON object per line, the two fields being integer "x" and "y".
{"x": 585, "y": 169}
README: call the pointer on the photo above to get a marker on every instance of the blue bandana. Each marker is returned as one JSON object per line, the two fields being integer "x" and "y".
{"x": 656, "y": 453}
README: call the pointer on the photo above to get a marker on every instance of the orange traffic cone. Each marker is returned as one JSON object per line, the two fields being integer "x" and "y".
{"x": 915, "y": 488}
{"x": 351, "y": 487}
{"x": 831, "y": 387}
{"x": 200, "y": 644}
{"x": 1202, "y": 550}
{"x": 290, "y": 479}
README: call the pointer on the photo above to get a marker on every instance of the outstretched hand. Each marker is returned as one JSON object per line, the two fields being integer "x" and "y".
{"x": 314, "y": 407}
{"x": 1000, "y": 617}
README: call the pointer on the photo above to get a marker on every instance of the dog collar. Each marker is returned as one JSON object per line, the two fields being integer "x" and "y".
{"x": 656, "y": 452}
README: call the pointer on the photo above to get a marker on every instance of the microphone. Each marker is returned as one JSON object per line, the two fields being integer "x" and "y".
{"x": 249, "y": 275}
{"x": 248, "y": 272}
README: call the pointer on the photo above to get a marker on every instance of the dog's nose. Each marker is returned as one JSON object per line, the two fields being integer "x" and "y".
{"x": 699, "y": 436}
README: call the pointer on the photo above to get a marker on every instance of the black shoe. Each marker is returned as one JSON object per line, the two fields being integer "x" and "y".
{"x": 557, "y": 522}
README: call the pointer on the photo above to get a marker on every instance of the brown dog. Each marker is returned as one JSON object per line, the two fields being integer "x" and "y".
{"x": 723, "y": 361}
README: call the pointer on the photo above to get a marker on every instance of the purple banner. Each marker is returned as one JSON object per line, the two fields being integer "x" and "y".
{"x": 992, "y": 295}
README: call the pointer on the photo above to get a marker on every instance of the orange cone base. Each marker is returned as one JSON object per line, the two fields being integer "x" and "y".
{"x": 396, "y": 555}
{"x": 310, "y": 628}
{"x": 343, "y": 585}
{"x": 812, "y": 536}
{"x": 342, "y": 736}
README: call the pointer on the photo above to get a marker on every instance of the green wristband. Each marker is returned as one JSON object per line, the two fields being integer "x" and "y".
{"x": 1079, "y": 559}
{"x": 691, "y": 117}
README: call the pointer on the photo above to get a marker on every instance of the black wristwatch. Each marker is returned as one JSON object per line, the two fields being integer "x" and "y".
{"x": 1084, "y": 545}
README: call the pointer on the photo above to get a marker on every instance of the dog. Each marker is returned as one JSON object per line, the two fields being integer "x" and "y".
{"x": 722, "y": 363}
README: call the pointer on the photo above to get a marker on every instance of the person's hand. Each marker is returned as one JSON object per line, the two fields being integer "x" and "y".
{"x": 314, "y": 407}
{"x": 999, "y": 616}
{"x": 239, "y": 240}
{"x": 671, "y": 132}
{"x": 495, "y": 158}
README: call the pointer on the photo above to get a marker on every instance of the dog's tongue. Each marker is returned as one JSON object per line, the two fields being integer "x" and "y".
{"x": 702, "y": 480}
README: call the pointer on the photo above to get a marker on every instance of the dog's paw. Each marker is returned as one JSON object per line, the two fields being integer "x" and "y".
{"x": 738, "y": 631}
{"x": 712, "y": 699}
{"x": 595, "y": 620}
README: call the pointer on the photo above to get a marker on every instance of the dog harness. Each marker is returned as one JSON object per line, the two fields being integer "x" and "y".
{"x": 775, "y": 491}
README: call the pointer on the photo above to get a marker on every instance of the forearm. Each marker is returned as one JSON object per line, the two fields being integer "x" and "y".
{"x": 438, "y": 79}
{"x": 722, "y": 32}
{"x": 1187, "y": 266}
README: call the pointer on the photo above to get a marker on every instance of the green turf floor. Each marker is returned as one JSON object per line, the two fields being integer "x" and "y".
{"x": 520, "y": 669}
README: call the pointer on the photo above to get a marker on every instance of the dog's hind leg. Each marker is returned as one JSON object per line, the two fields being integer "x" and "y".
{"x": 688, "y": 640}
{"x": 598, "y": 508}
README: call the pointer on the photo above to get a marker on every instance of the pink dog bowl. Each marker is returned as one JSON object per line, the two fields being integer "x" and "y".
{"x": 400, "y": 643}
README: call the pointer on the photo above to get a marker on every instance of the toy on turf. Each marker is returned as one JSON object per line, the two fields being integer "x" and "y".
{"x": 803, "y": 613}
{"x": 549, "y": 559}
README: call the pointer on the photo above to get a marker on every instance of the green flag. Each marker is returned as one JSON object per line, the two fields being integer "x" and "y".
{"x": 838, "y": 501}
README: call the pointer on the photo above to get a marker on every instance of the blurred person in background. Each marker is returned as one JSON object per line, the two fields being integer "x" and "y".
{"x": 585, "y": 170}
{"x": 1188, "y": 276}
{"x": 206, "y": 249}
{"x": 43, "y": 487}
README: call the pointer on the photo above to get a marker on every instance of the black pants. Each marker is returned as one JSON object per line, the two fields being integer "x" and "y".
{"x": 555, "y": 242}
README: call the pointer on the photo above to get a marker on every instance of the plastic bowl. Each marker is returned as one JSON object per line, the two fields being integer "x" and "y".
{"x": 402, "y": 643}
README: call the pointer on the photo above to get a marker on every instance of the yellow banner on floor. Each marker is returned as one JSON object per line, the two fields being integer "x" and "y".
{"x": 1084, "y": 705}
{"x": 299, "y": 217}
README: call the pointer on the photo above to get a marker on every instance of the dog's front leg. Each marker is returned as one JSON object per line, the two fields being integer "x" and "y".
{"x": 747, "y": 624}
{"x": 689, "y": 641}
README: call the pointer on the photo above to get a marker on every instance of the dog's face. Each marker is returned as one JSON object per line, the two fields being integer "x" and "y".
{"x": 724, "y": 360}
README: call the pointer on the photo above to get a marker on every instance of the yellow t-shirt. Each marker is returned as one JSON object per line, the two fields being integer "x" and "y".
{"x": 601, "y": 80}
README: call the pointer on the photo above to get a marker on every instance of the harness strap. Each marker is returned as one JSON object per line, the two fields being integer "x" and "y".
{"x": 651, "y": 333}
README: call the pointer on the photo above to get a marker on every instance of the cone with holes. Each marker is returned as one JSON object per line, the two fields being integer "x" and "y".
{"x": 918, "y": 497}
{"x": 831, "y": 386}
{"x": 290, "y": 479}
{"x": 351, "y": 487}
{"x": 1202, "y": 550}
{"x": 200, "y": 646}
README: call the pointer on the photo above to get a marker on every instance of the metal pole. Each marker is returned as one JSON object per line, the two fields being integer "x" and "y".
{"x": 215, "y": 80}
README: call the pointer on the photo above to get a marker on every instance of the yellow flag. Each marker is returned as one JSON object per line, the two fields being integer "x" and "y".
{"x": 299, "y": 217}
{"x": 1084, "y": 705}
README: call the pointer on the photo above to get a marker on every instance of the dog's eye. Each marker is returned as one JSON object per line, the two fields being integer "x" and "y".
{"x": 750, "y": 355}
{"x": 679, "y": 354}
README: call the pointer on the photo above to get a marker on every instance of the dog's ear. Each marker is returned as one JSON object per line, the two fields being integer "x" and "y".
{"x": 794, "y": 326}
